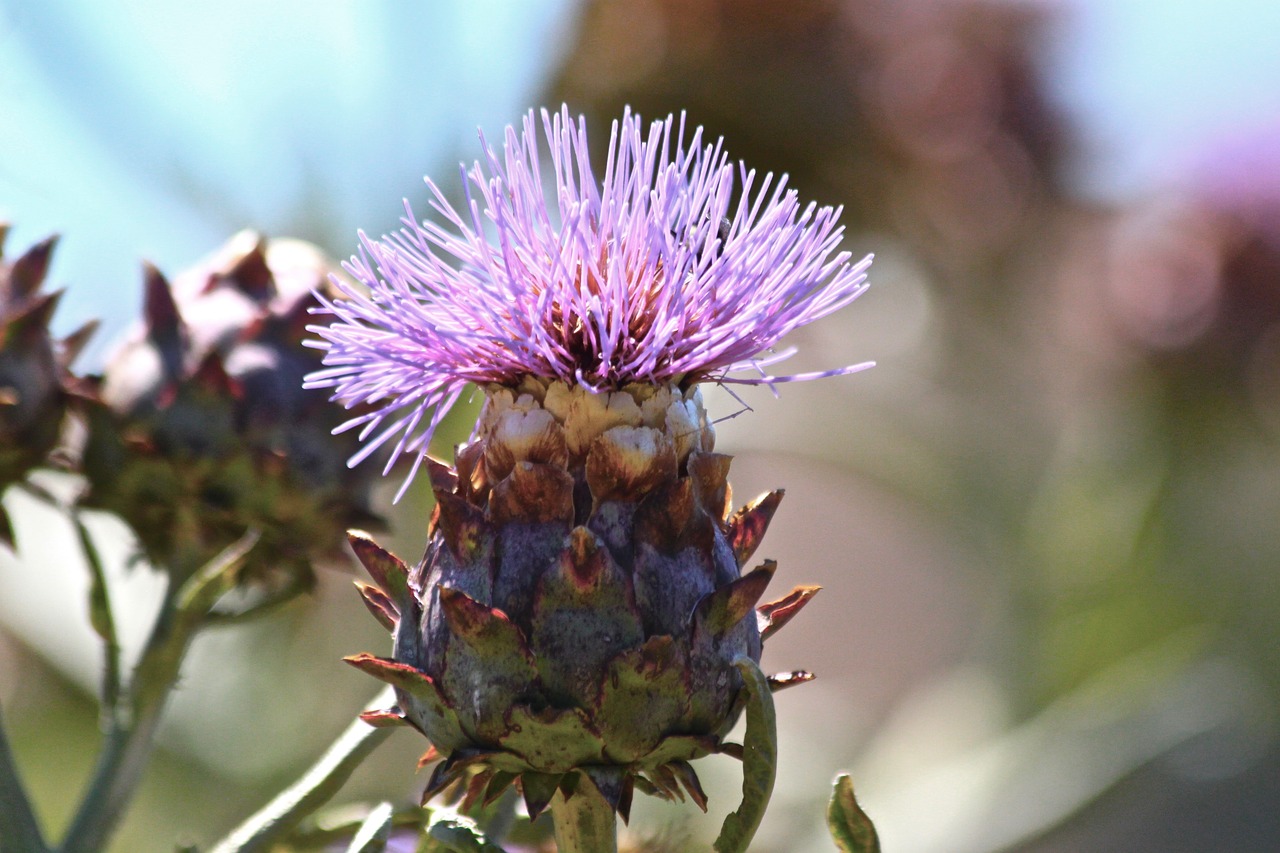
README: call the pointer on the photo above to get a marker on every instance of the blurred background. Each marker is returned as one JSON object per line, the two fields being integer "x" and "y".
{"x": 1045, "y": 523}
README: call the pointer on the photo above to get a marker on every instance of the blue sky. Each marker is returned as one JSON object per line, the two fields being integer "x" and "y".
{"x": 145, "y": 128}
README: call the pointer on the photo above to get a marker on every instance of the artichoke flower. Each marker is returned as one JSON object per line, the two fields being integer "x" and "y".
{"x": 36, "y": 384}
{"x": 202, "y": 430}
{"x": 586, "y": 586}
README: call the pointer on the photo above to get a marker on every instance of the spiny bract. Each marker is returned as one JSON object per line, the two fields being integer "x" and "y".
{"x": 35, "y": 381}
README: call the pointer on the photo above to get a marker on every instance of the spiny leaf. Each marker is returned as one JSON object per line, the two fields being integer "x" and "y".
{"x": 164, "y": 322}
{"x": 850, "y": 827}
{"x": 438, "y": 722}
{"x": 710, "y": 475}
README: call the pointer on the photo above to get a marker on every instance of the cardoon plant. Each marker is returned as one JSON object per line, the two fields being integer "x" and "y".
{"x": 586, "y": 620}
{"x": 36, "y": 384}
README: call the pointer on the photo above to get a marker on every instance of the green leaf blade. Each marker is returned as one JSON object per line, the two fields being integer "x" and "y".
{"x": 850, "y": 827}
{"x": 759, "y": 761}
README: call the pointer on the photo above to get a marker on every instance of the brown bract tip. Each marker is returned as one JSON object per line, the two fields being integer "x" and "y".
{"x": 748, "y": 525}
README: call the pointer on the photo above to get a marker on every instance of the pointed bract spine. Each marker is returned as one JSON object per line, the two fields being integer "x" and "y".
{"x": 37, "y": 388}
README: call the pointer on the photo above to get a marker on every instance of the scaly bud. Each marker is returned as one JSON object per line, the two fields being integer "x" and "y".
{"x": 582, "y": 600}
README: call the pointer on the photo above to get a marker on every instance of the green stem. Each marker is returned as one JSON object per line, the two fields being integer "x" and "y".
{"x": 18, "y": 822}
{"x": 585, "y": 822}
{"x": 133, "y": 727}
{"x": 102, "y": 619}
{"x": 278, "y": 818}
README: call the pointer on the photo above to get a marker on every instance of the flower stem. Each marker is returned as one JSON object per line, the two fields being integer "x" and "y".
{"x": 17, "y": 819}
{"x": 133, "y": 722}
{"x": 102, "y": 620}
{"x": 585, "y": 822}
{"x": 277, "y": 818}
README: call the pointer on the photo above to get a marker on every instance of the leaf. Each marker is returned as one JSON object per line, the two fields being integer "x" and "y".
{"x": 850, "y": 827}
{"x": 759, "y": 761}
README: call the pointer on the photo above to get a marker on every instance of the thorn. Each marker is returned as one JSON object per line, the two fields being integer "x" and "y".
{"x": 783, "y": 680}
{"x": 212, "y": 374}
{"x": 665, "y": 780}
{"x": 430, "y": 756}
{"x": 387, "y": 570}
{"x": 28, "y": 272}
{"x": 747, "y": 526}
{"x": 250, "y": 273}
{"x": 586, "y": 561}
{"x": 158, "y": 307}
{"x": 683, "y": 771}
{"x": 74, "y": 343}
{"x": 537, "y": 790}
{"x": 721, "y": 610}
{"x": 468, "y": 618}
{"x": 389, "y": 718}
{"x": 33, "y": 317}
{"x": 710, "y": 473}
{"x": 498, "y": 786}
{"x": 609, "y": 780}
{"x": 379, "y": 604}
{"x": 476, "y": 787}
{"x": 624, "y": 800}
{"x": 443, "y": 477}
{"x": 774, "y": 615}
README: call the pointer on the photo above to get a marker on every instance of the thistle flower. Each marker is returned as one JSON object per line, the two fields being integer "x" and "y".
{"x": 586, "y": 587}
{"x": 202, "y": 430}
{"x": 654, "y": 276}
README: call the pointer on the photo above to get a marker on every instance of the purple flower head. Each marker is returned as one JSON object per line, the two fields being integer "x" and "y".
{"x": 672, "y": 265}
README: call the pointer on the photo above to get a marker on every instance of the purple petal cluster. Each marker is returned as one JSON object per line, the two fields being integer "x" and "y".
{"x": 671, "y": 264}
